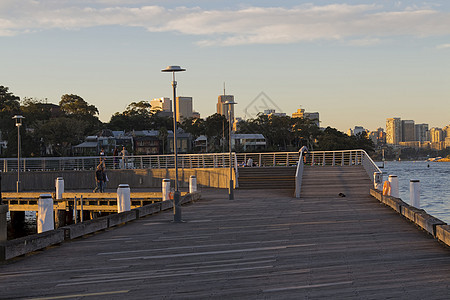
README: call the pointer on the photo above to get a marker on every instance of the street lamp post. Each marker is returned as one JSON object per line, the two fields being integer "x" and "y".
{"x": 230, "y": 123}
{"x": 176, "y": 194}
{"x": 18, "y": 119}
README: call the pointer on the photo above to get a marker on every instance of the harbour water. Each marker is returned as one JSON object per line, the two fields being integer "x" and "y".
{"x": 434, "y": 184}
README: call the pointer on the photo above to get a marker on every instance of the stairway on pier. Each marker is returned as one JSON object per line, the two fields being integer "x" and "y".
{"x": 267, "y": 178}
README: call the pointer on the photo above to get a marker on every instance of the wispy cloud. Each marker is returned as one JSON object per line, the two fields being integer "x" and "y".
{"x": 443, "y": 46}
{"x": 359, "y": 25}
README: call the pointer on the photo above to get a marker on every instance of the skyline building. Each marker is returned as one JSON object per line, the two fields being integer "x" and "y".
{"x": 184, "y": 108}
{"x": 222, "y": 108}
{"x": 161, "y": 104}
{"x": 421, "y": 132}
{"x": 408, "y": 131}
{"x": 313, "y": 116}
{"x": 393, "y": 131}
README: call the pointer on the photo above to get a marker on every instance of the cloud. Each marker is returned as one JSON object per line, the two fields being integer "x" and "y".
{"x": 359, "y": 25}
{"x": 443, "y": 46}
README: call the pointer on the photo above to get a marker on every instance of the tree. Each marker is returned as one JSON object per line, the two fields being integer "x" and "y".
{"x": 75, "y": 105}
{"x": 9, "y": 106}
{"x": 61, "y": 134}
{"x": 8, "y": 101}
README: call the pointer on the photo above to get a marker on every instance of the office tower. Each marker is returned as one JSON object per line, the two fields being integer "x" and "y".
{"x": 184, "y": 108}
{"x": 161, "y": 104}
{"x": 408, "y": 134}
{"x": 436, "y": 135}
{"x": 421, "y": 132}
{"x": 393, "y": 131}
{"x": 222, "y": 108}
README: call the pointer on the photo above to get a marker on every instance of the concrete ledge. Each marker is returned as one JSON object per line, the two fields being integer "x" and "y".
{"x": 165, "y": 205}
{"x": 443, "y": 234}
{"x": 123, "y": 217}
{"x": 395, "y": 203}
{"x": 147, "y": 210}
{"x": 27, "y": 244}
{"x": 76, "y": 230}
{"x": 428, "y": 222}
{"x": 376, "y": 194}
{"x": 410, "y": 212}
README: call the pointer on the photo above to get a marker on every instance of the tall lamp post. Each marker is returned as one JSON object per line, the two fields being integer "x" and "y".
{"x": 18, "y": 119}
{"x": 229, "y": 103}
{"x": 176, "y": 195}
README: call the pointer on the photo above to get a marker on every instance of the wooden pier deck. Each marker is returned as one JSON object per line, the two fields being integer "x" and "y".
{"x": 263, "y": 245}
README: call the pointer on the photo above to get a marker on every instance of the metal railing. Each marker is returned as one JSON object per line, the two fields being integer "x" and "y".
{"x": 343, "y": 158}
{"x": 192, "y": 161}
{"x": 207, "y": 160}
{"x": 299, "y": 172}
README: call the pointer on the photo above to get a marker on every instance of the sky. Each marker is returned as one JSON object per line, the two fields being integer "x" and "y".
{"x": 355, "y": 62}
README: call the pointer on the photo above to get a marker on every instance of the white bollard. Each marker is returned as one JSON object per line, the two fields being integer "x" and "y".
{"x": 123, "y": 198}
{"x": 165, "y": 189}
{"x": 59, "y": 185}
{"x": 378, "y": 181}
{"x": 393, "y": 180}
{"x": 414, "y": 193}
{"x": 45, "y": 213}
{"x": 192, "y": 184}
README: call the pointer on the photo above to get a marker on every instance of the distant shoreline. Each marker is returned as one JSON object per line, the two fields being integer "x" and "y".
{"x": 443, "y": 159}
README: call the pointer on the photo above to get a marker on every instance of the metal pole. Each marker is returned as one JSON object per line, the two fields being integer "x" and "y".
{"x": 230, "y": 190}
{"x": 176, "y": 194}
{"x": 18, "y": 158}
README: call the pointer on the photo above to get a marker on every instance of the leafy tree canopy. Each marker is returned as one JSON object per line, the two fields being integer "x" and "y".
{"x": 75, "y": 105}
{"x": 8, "y": 101}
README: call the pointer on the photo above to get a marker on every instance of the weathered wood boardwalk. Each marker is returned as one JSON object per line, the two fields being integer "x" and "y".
{"x": 263, "y": 245}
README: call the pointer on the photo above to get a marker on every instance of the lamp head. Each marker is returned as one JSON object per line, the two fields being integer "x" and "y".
{"x": 230, "y": 102}
{"x": 18, "y": 119}
{"x": 173, "y": 69}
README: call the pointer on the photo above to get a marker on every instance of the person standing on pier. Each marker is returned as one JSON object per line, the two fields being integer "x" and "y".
{"x": 124, "y": 154}
{"x": 99, "y": 178}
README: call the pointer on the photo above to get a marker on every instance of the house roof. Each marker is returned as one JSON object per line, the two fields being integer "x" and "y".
{"x": 87, "y": 145}
{"x": 248, "y": 136}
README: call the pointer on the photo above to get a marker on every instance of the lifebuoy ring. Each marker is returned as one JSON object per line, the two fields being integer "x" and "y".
{"x": 387, "y": 188}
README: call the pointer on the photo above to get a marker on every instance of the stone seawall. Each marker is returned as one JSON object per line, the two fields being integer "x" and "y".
{"x": 435, "y": 227}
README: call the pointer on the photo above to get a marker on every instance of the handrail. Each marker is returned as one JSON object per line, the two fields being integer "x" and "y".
{"x": 192, "y": 161}
{"x": 299, "y": 172}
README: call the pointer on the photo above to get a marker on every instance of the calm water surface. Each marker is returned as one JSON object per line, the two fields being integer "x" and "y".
{"x": 434, "y": 184}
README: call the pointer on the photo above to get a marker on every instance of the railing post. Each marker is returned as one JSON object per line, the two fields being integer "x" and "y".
{"x": 324, "y": 159}
{"x": 274, "y": 160}
{"x": 350, "y": 159}
{"x": 333, "y": 163}
{"x": 343, "y": 159}
{"x": 260, "y": 159}
{"x": 312, "y": 159}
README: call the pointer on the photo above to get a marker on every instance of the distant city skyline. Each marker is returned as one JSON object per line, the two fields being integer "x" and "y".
{"x": 356, "y": 63}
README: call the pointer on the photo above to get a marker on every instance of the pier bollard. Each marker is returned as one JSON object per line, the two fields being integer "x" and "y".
{"x": 393, "y": 180}
{"x": 3, "y": 231}
{"x": 165, "y": 189}
{"x": 45, "y": 213}
{"x": 123, "y": 198}
{"x": 414, "y": 193}
{"x": 378, "y": 181}
{"x": 59, "y": 185}
{"x": 192, "y": 184}
{"x": 60, "y": 215}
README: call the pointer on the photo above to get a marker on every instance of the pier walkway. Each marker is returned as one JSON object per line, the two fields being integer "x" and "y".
{"x": 265, "y": 244}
